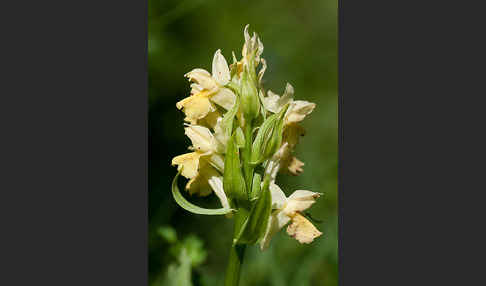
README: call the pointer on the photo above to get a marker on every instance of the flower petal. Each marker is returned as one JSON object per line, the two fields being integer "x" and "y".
{"x": 270, "y": 102}
{"x": 195, "y": 107}
{"x": 300, "y": 200}
{"x": 275, "y": 222}
{"x": 220, "y": 69}
{"x": 196, "y": 88}
{"x": 224, "y": 98}
{"x": 295, "y": 166}
{"x": 304, "y": 195}
{"x": 262, "y": 71}
{"x": 274, "y": 103}
{"x": 201, "y": 77}
{"x": 259, "y": 48}
{"x": 246, "y": 45}
{"x": 189, "y": 162}
{"x": 292, "y": 133}
{"x": 287, "y": 96}
{"x": 216, "y": 183}
{"x": 278, "y": 197}
{"x": 216, "y": 160}
{"x": 210, "y": 120}
{"x": 199, "y": 185}
{"x": 277, "y": 161}
{"x": 302, "y": 230}
{"x": 202, "y": 139}
{"x": 298, "y": 110}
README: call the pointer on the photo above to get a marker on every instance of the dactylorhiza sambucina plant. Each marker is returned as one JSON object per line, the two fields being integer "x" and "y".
{"x": 240, "y": 140}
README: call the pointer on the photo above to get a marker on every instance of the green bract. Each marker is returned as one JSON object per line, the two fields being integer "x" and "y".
{"x": 249, "y": 96}
{"x": 255, "y": 225}
{"x": 256, "y": 187}
{"x": 240, "y": 137}
{"x": 233, "y": 181}
{"x": 225, "y": 129}
{"x": 268, "y": 138}
{"x": 183, "y": 203}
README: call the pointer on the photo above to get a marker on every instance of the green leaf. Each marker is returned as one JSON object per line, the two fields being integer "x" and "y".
{"x": 256, "y": 224}
{"x": 168, "y": 233}
{"x": 179, "y": 274}
{"x": 233, "y": 181}
{"x": 195, "y": 250}
{"x": 183, "y": 203}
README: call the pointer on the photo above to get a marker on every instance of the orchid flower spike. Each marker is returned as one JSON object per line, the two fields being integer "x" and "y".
{"x": 241, "y": 137}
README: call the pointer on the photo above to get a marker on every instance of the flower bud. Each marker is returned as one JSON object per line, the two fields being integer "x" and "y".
{"x": 250, "y": 103}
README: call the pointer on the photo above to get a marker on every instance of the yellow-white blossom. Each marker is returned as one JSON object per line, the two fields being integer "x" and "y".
{"x": 207, "y": 89}
{"x": 285, "y": 210}
{"x": 205, "y": 165}
{"x": 298, "y": 109}
{"x": 202, "y": 139}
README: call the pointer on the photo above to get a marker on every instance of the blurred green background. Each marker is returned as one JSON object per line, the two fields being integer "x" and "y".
{"x": 300, "y": 39}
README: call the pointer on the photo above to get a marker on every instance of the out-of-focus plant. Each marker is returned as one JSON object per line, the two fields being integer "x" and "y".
{"x": 241, "y": 137}
{"x": 187, "y": 254}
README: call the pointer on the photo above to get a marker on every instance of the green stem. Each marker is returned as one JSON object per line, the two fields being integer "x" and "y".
{"x": 234, "y": 265}
{"x": 237, "y": 252}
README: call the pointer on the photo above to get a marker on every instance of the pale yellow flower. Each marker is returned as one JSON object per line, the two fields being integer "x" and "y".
{"x": 189, "y": 163}
{"x": 202, "y": 139}
{"x": 210, "y": 120}
{"x": 291, "y": 135}
{"x": 208, "y": 89}
{"x": 287, "y": 210}
{"x": 204, "y": 166}
{"x": 204, "y": 144}
{"x": 302, "y": 230}
{"x": 298, "y": 109}
{"x": 199, "y": 184}
{"x": 196, "y": 106}
{"x": 294, "y": 166}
